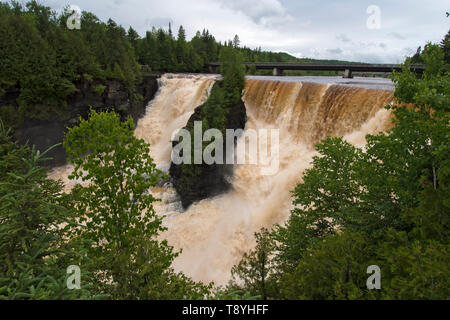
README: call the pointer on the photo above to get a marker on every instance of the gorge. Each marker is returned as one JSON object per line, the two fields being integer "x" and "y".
{"x": 214, "y": 233}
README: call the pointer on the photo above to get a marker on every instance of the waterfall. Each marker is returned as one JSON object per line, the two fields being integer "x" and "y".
{"x": 214, "y": 233}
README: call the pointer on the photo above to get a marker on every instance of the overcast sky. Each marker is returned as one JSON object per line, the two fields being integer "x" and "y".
{"x": 325, "y": 29}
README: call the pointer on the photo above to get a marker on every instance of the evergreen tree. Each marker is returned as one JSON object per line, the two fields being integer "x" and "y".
{"x": 35, "y": 227}
{"x": 181, "y": 50}
{"x": 236, "y": 42}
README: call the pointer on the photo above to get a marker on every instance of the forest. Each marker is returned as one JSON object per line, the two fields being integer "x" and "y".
{"x": 44, "y": 61}
{"x": 386, "y": 204}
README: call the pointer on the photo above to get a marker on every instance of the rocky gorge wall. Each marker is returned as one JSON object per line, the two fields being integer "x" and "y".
{"x": 46, "y": 133}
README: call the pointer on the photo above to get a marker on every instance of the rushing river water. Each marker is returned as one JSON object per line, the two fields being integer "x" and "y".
{"x": 214, "y": 233}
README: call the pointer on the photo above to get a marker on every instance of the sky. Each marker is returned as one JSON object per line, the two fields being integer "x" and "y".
{"x": 375, "y": 31}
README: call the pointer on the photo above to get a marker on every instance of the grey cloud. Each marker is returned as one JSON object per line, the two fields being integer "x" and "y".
{"x": 260, "y": 11}
{"x": 343, "y": 37}
{"x": 397, "y": 35}
{"x": 335, "y": 51}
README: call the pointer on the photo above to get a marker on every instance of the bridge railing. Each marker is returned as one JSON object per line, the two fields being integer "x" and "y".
{"x": 279, "y": 67}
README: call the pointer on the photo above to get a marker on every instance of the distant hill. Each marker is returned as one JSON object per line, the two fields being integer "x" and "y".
{"x": 286, "y": 57}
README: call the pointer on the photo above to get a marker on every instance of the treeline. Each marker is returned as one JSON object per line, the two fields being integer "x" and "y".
{"x": 43, "y": 61}
{"x": 161, "y": 51}
{"x": 385, "y": 205}
{"x": 417, "y": 58}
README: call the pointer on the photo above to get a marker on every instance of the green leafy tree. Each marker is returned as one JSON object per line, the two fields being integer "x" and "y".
{"x": 256, "y": 267}
{"x": 117, "y": 211}
{"x": 445, "y": 44}
{"x": 334, "y": 268}
{"x": 385, "y": 205}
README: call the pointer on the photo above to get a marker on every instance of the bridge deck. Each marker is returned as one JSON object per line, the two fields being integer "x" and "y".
{"x": 327, "y": 67}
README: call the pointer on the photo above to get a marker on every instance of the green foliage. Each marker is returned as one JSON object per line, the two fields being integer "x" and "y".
{"x": 385, "y": 205}
{"x": 233, "y": 73}
{"x": 11, "y": 154}
{"x": 414, "y": 268}
{"x": 44, "y": 60}
{"x": 255, "y": 268}
{"x": 445, "y": 44}
{"x": 34, "y": 228}
{"x": 117, "y": 212}
{"x": 11, "y": 116}
{"x": 233, "y": 294}
{"x": 334, "y": 268}
{"x": 100, "y": 89}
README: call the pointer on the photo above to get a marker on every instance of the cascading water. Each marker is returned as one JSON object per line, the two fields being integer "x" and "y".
{"x": 214, "y": 233}
{"x": 169, "y": 111}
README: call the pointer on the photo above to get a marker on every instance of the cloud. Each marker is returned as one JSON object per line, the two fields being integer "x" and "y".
{"x": 397, "y": 35}
{"x": 343, "y": 37}
{"x": 336, "y": 51}
{"x": 263, "y": 12}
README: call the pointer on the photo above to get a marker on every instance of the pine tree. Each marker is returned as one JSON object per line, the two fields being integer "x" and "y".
{"x": 181, "y": 50}
{"x": 35, "y": 227}
{"x": 236, "y": 42}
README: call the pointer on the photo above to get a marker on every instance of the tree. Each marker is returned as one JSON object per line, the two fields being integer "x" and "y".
{"x": 181, "y": 50}
{"x": 445, "y": 45}
{"x": 255, "y": 267}
{"x": 133, "y": 37}
{"x": 334, "y": 268}
{"x": 233, "y": 73}
{"x": 416, "y": 58}
{"x": 35, "y": 227}
{"x": 45, "y": 62}
{"x": 236, "y": 42}
{"x": 117, "y": 211}
{"x": 386, "y": 204}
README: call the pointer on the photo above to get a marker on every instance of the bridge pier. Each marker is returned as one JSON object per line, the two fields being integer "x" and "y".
{"x": 348, "y": 74}
{"x": 277, "y": 72}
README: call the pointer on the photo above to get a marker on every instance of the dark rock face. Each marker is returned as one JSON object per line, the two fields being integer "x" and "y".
{"x": 46, "y": 133}
{"x": 210, "y": 180}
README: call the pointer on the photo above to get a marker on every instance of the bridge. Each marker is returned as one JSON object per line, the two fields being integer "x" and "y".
{"x": 348, "y": 69}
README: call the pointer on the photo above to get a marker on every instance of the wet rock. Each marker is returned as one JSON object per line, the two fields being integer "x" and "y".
{"x": 48, "y": 132}
{"x": 209, "y": 180}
